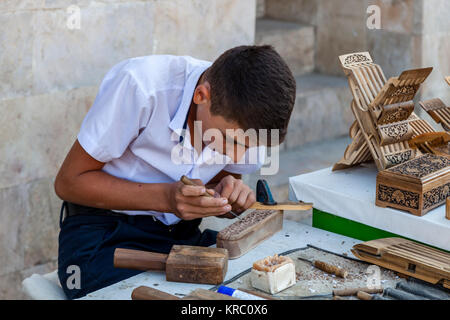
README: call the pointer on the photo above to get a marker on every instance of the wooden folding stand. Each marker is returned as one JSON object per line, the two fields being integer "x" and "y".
{"x": 384, "y": 112}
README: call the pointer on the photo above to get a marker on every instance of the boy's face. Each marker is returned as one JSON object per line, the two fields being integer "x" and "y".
{"x": 222, "y": 135}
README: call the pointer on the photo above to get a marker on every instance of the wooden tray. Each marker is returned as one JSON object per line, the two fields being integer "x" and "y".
{"x": 416, "y": 186}
{"x": 407, "y": 257}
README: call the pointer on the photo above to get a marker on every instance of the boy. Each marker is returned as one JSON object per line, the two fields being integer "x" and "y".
{"x": 120, "y": 180}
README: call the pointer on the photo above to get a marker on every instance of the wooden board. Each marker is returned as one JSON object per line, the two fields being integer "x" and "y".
{"x": 407, "y": 257}
{"x": 196, "y": 264}
{"x": 285, "y": 206}
{"x": 243, "y": 235}
{"x": 416, "y": 186}
{"x": 448, "y": 80}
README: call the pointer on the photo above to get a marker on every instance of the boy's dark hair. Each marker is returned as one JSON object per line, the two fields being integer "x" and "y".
{"x": 253, "y": 86}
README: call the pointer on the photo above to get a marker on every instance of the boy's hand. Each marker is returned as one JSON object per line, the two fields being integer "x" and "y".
{"x": 188, "y": 202}
{"x": 239, "y": 195}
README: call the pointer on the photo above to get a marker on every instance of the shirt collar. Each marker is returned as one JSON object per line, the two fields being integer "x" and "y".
{"x": 180, "y": 116}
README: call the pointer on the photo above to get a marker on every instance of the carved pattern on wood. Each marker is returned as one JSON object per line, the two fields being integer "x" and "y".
{"x": 356, "y": 58}
{"x": 394, "y": 115}
{"x": 436, "y": 196}
{"x": 422, "y": 166}
{"x": 397, "y": 158}
{"x": 397, "y": 196}
{"x": 396, "y": 131}
{"x": 406, "y": 90}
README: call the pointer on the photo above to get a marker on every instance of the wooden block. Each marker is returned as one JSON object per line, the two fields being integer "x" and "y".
{"x": 197, "y": 265}
{"x": 243, "y": 235}
{"x": 183, "y": 264}
{"x": 416, "y": 186}
{"x": 407, "y": 257}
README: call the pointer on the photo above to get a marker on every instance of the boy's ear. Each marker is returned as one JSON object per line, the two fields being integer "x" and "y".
{"x": 202, "y": 93}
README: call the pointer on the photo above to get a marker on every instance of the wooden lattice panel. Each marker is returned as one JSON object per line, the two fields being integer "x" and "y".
{"x": 438, "y": 111}
{"x": 383, "y": 112}
{"x": 407, "y": 257}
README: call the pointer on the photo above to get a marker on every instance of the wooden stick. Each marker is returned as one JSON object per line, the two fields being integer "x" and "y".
{"x": 139, "y": 260}
{"x": 363, "y": 295}
{"x": 353, "y": 291}
{"x": 147, "y": 293}
{"x": 330, "y": 269}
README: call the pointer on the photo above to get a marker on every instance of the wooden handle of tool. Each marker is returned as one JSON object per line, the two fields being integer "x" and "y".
{"x": 363, "y": 295}
{"x": 353, "y": 291}
{"x": 147, "y": 293}
{"x": 330, "y": 269}
{"x": 189, "y": 182}
{"x": 139, "y": 260}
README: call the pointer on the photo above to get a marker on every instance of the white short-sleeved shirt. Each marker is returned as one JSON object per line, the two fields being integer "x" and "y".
{"x": 136, "y": 122}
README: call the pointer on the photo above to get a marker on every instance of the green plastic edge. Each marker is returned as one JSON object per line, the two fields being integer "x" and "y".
{"x": 346, "y": 227}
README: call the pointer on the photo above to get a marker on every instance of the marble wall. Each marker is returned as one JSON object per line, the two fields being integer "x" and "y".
{"x": 49, "y": 74}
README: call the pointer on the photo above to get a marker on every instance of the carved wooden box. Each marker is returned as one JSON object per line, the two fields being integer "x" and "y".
{"x": 417, "y": 185}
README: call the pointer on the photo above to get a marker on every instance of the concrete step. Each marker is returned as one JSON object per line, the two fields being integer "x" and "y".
{"x": 321, "y": 112}
{"x": 293, "y": 41}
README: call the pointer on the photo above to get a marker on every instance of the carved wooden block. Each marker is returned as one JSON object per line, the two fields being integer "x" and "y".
{"x": 243, "y": 235}
{"x": 416, "y": 186}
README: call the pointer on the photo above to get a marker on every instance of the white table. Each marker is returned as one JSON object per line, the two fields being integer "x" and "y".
{"x": 293, "y": 235}
{"x": 350, "y": 194}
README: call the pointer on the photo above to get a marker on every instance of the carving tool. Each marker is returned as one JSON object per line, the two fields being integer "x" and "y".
{"x": 264, "y": 198}
{"x": 183, "y": 263}
{"x": 189, "y": 182}
{"x": 327, "y": 267}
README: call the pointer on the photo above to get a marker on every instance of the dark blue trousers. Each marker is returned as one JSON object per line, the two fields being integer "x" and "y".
{"x": 88, "y": 240}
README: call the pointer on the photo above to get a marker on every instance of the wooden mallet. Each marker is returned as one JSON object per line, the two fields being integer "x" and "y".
{"x": 183, "y": 264}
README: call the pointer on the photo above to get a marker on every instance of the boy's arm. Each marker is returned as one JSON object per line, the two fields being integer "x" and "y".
{"x": 80, "y": 180}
